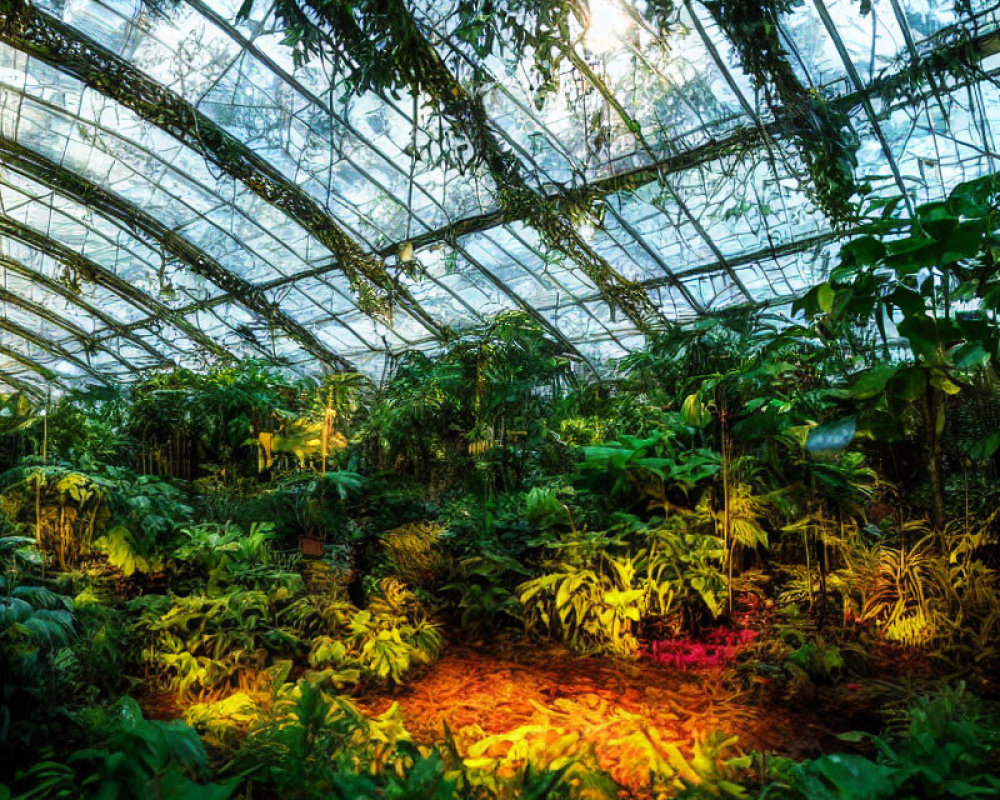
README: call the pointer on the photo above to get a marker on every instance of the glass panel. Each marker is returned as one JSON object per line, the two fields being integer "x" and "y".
{"x": 724, "y": 219}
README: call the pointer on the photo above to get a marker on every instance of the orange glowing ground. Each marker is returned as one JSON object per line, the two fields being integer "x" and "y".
{"x": 543, "y": 703}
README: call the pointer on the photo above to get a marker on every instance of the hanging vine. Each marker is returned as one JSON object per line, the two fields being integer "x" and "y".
{"x": 134, "y": 218}
{"x": 951, "y": 54}
{"x": 382, "y": 48}
{"x": 80, "y": 268}
{"x": 51, "y": 41}
{"x": 823, "y": 133}
{"x": 951, "y": 51}
{"x": 379, "y": 46}
{"x": 539, "y": 27}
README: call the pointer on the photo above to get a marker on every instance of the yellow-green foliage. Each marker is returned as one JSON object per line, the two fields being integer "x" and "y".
{"x": 630, "y": 753}
{"x": 67, "y": 509}
{"x": 380, "y": 644}
{"x": 412, "y": 549}
{"x": 936, "y": 590}
{"x": 301, "y": 730}
{"x": 225, "y": 722}
{"x": 911, "y": 629}
{"x": 595, "y": 610}
{"x": 204, "y": 643}
{"x": 581, "y": 431}
{"x": 595, "y": 605}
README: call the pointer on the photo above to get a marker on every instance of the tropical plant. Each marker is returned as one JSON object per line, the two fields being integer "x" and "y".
{"x": 145, "y": 512}
{"x": 216, "y": 555}
{"x": 34, "y": 624}
{"x": 692, "y": 564}
{"x": 950, "y": 750}
{"x": 544, "y": 509}
{"x": 304, "y": 743}
{"x": 652, "y": 469}
{"x": 132, "y": 758}
{"x": 377, "y": 645}
{"x": 413, "y": 551}
{"x": 68, "y": 507}
{"x": 485, "y": 590}
{"x": 85, "y": 428}
{"x": 916, "y": 271}
{"x": 182, "y": 418}
{"x": 486, "y": 397}
{"x": 315, "y": 505}
{"x": 202, "y": 642}
{"x": 596, "y": 609}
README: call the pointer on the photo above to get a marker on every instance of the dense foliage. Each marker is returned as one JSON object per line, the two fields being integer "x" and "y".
{"x": 260, "y": 549}
{"x": 207, "y": 581}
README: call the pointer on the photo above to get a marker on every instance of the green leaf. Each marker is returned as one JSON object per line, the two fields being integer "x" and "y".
{"x": 803, "y": 657}
{"x": 940, "y": 380}
{"x": 912, "y": 254}
{"x": 936, "y": 219}
{"x": 872, "y": 382}
{"x": 984, "y": 448}
{"x": 866, "y": 251}
{"x": 825, "y": 297}
{"x": 694, "y": 412}
{"x": 909, "y": 383}
{"x": 119, "y": 545}
{"x": 907, "y": 300}
{"x": 832, "y": 659}
{"x": 921, "y": 331}
{"x": 970, "y": 355}
{"x": 965, "y": 242}
{"x": 854, "y": 776}
{"x": 972, "y": 199}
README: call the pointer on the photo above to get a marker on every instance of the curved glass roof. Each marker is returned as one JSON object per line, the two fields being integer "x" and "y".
{"x": 125, "y": 242}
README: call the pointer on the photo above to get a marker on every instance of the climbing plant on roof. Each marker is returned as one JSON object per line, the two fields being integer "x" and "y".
{"x": 821, "y": 131}
{"x": 50, "y": 40}
{"x": 916, "y": 273}
{"x": 952, "y": 54}
{"x": 383, "y": 48}
{"x": 543, "y": 29}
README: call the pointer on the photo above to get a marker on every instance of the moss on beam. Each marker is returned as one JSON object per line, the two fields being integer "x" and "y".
{"x": 51, "y": 41}
{"x": 84, "y": 269}
{"x": 113, "y": 325}
{"x": 417, "y": 65}
{"x": 127, "y": 213}
{"x": 54, "y": 348}
{"x": 946, "y": 48}
{"x": 89, "y": 342}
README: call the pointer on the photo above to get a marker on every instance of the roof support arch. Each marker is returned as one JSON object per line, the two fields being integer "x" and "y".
{"x": 95, "y": 273}
{"x": 395, "y": 247}
{"x": 87, "y": 340}
{"x": 32, "y": 365}
{"x": 127, "y": 213}
{"x": 20, "y": 384}
{"x": 51, "y": 41}
{"x": 741, "y": 140}
{"x": 54, "y": 348}
{"x": 113, "y": 325}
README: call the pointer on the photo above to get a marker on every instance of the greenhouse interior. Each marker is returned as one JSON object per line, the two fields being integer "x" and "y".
{"x": 491, "y": 399}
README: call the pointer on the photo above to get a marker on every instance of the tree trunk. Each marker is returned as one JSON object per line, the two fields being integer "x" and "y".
{"x": 934, "y": 422}
{"x": 726, "y": 533}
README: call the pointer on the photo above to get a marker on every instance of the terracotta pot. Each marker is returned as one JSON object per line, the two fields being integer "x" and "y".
{"x": 311, "y": 547}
